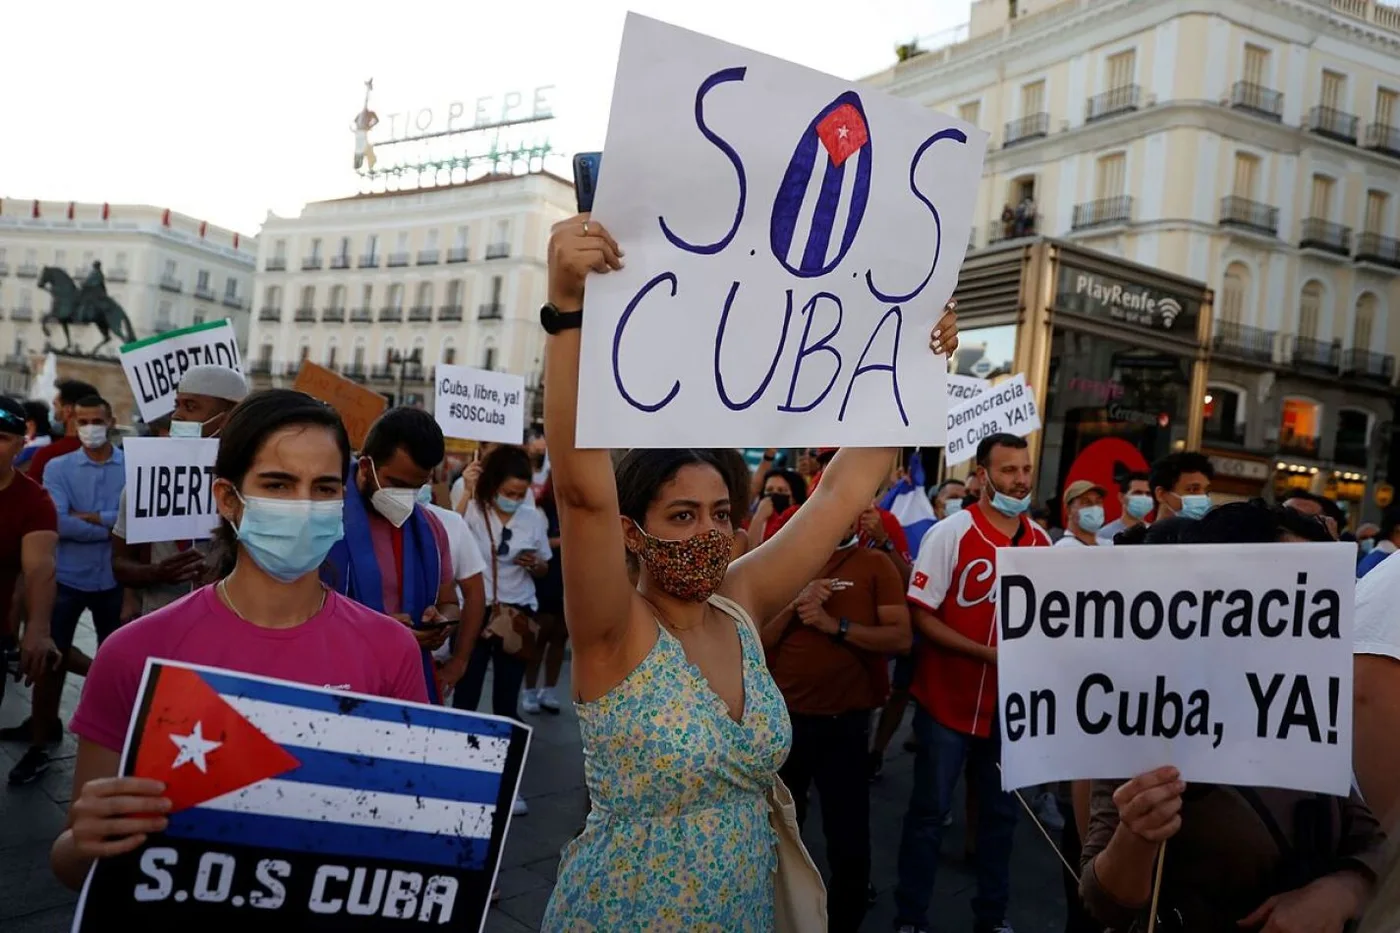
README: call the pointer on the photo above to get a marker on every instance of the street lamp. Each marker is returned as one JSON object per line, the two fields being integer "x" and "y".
{"x": 402, "y": 362}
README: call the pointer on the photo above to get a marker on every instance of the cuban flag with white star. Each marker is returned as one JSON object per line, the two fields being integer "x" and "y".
{"x": 307, "y": 808}
{"x": 822, "y": 197}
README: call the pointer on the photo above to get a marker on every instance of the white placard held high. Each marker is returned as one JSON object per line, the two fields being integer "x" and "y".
{"x": 154, "y": 366}
{"x": 170, "y": 488}
{"x": 480, "y": 404}
{"x": 1006, "y": 408}
{"x": 790, "y": 241}
{"x": 1230, "y": 662}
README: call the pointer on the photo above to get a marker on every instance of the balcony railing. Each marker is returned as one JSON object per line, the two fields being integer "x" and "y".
{"x": 204, "y": 292}
{"x": 340, "y": 262}
{"x": 260, "y": 367}
{"x": 361, "y": 315}
{"x": 369, "y": 261}
{"x": 1103, "y": 212}
{"x": 1300, "y": 445}
{"x": 1384, "y": 138}
{"x": 230, "y": 301}
{"x": 1382, "y": 250}
{"x": 1248, "y": 215}
{"x": 1123, "y": 99}
{"x": 450, "y": 313}
{"x": 1014, "y": 229}
{"x": 305, "y": 315}
{"x": 457, "y": 254}
{"x": 1256, "y": 99}
{"x": 118, "y": 274}
{"x": 1322, "y": 355}
{"x": 1332, "y": 123}
{"x": 168, "y": 283}
{"x": 275, "y": 264}
{"x": 1326, "y": 236}
{"x": 390, "y": 314}
{"x": 383, "y": 372}
{"x": 1232, "y": 434}
{"x": 428, "y": 257}
{"x": 1364, "y": 364}
{"x": 311, "y": 263}
{"x": 397, "y": 259}
{"x": 333, "y": 315}
{"x": 269, "y": 313}
{"x": 498, "y": 251}
{"x": 1243, "y": 342}
{"x": 1032, "y": 127}
{"x": 4, "y": 268}
{"x": 22, "y": 314}
{"x": 355, "y": 371}
{"x": 420, "y": 313}
{"x": 490, "y": 311}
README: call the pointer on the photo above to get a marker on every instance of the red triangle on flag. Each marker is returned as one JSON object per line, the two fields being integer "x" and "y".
{"x": 199, "y": 745}
{"x": 843, "y": 132}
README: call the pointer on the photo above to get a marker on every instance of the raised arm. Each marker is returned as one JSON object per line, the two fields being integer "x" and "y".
{"x": 597, "y": 593}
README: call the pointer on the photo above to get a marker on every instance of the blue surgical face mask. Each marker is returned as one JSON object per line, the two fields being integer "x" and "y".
{"x": 289, "y": 538}
{"x": 186, "y": 429}
{"x": 952, "y": 507}
{"x": 1368, "y": 545}
{"x": 507, "y": 504}
{"x": 1194, "y": 507}
{"x": 1091, "y": 518}
{"x": 1008, "y": 505}
{"x": 1139, "y": 506}
{"x": 424, "y": 496}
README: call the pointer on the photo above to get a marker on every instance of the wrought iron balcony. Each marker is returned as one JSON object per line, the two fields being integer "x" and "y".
{"x": 27, "y": 270}
{"x": 1103, "y": 212}
{"x": 305, "y": 315}
{"x": 1326, "y": 236}
{"x": 1332, "y": 123}
{"x": 119, "y": 274}
{"x": 1381, "y": 250}
{"x": 340, "y": 262}
{"x": 4, "y": 268}
{"x": 498, "y": 251}
{"x": 333, "y": 315}
{"x": 204, "y": 292}
{"x": 1364, "y": 364}
{"x": 1031, "y": 127}
{"x": 361, "y": 315}
{"x": 22, "y": 314}
{"x": 311, "y": 263}
{"x": 168, "y": 283}
{"x": 270, "y": 313}
{"x": 1350, "y": 450}
{"x": 1383, "y": 138}
{"x": 457, "y": 254}
{"x": 1123, "y": 99}
{"x": 1317, "y": 355}
{"x": 369, "y": 261}
{"x": 383, "y": 372}
{"x": 390, "y": 314}
{"x": 397, "y": 259}
{"x": 1300, "y": 445}
{"x": 355, "y": 371}
{"x": 260, "y": 367}
{"x": 230, "y": 301}
{"x": 275, "y": 264}
{"x": 420, "y": 313}
{"x": 1256, "y": 99}
{"x": 490, "y": 311}
{"x": 428, "y": 257}
{"x": 1248, "y": 215}
{"x": 450, "y": 313}
{"x": 1016, "y": 229}
{"x": 1243, "y": 342}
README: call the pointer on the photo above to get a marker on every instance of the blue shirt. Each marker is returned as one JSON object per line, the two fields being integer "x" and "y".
{"x": 77, "y": 483}
{"x": 1371, "y": 561}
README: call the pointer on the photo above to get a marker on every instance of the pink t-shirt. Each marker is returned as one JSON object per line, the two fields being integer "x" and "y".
{"x": 345, "y": 646}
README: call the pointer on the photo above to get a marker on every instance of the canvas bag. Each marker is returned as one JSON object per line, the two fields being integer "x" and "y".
{"x": 518, "y": 631}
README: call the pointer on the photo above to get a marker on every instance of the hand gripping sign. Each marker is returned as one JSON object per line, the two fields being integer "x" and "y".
{"x": 790, "y": 240}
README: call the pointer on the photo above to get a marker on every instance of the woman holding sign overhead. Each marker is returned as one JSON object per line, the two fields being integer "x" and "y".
{"x": 280, "y": 477}
{"x": 683, "y": 727}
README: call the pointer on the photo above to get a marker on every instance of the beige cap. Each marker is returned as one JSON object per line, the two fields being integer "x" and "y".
{"x": 1079, "y": 487}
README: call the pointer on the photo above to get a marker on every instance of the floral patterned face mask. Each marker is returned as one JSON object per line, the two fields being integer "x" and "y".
{"x": 690, "y": 569}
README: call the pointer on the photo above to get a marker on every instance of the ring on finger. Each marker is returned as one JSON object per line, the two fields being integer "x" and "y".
{"x": 585, "y": 228}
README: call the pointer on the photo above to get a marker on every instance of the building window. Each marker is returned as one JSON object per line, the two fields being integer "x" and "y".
{"x": 1365, "y": 321}
{"x": 337, "y": 296}
{"x": 449, "y": 355}
{"x": 202, "y": 281}
{"x": 372, "y": 245}
{"x": 169, "y": 269}
{"x": 303, "y": 352}
{"x": 1224, "y": 414}
{"x": 1300, "y": 426}
{"x": 425, "y": 294}
{"x": 1321, "y": 203}
{"x": 231, "y": 288}
{"x": 1353, "y": 440}
{"x": 1256, "y": 66}
{"x": 331, "y": 352}
{"x": 344, "y": 252}
{"x": 88, "y": 258}
{"x": 459, "y": 240}
{"x": 432, "y": 241}
{"x": 1386, "y": 106}
{"x": 198, "y": 318}
{"x": 1120, "y": 69}
{"x": 1377, "y": 206}
{"x": 316, "y": 248}
{"x": 1111, "y": 176}
{"x": 279, "y": 249}
{"x": 121, "y": 261}
{"x": 1232, "y": 294}
{"x": 502, "y": 231}
{"x": 1032, "y": 98}
{"x": 265, "y": 355}
{"x": 367, "y": 296}
{"x": 272, "y": 298}
{"x": 359, "y": 362}
{"x": 396, "y": 295}
{"x": 1334, "y": 90}
{"x": 1246, "y": 176}
{"x": 970, "y": 112}
{"x": 454, "y": 293}
{"x": 488, "y": 358}
{"x": 401, "y": 245}
{"x": 308, "y": 296}
{"x": 1309, "y": 309}
{"x": 163, "y": 319}
{"x": 497, "y": 286}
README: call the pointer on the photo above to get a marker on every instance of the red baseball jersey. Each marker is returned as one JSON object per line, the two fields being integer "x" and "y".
{"x": 955, "y": 579}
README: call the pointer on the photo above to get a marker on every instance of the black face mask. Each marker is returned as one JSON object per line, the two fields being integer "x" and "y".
{"x": 780, "y": 501}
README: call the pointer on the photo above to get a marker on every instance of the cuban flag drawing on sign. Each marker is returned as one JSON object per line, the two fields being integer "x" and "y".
{"x": 305, "y": 808}
{"x": 822, "y": 196}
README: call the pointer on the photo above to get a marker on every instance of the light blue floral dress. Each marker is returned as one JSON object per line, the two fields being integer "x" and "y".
{"x": 678, "y": 838}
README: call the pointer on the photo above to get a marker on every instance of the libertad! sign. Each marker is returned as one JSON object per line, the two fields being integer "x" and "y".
{"x": 1096, "y": 295}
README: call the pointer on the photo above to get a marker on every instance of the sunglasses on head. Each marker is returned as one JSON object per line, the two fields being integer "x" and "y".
{"x": 11, "y": 423}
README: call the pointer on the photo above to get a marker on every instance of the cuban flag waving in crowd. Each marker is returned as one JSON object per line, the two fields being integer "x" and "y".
{"x": 907, "y": 502}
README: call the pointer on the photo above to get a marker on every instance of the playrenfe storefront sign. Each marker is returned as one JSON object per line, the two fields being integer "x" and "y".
{"x": 1096, "y": 295}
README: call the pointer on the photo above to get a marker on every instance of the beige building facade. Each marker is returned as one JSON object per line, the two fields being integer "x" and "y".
{"x": 1253, "y": 145}
{"x": 382, "y": 287}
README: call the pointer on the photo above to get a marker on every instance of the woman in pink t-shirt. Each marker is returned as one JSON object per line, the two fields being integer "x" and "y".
{"x": 280, "y": 477}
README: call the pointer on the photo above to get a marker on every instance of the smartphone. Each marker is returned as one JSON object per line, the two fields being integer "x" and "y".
{"x": 586, "y": 166}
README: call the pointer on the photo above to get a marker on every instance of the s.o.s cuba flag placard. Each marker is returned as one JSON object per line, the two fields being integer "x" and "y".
{"x": 790, "y": 241}
{"x": 303, "y": 808}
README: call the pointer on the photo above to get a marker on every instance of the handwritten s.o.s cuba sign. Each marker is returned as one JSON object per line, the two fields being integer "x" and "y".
{"x": 790, "y": 241}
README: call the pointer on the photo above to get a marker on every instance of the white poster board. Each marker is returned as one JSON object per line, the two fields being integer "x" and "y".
{"x": 480, "y": 404}
{"x": 1231, "y": 662}
{"x": 790, "y": 238}
{"x": 1006, "y": 408}
{"x": 170, "y": 488}
{"x": 965, "y": 388}
{"x": 154, "y": 366}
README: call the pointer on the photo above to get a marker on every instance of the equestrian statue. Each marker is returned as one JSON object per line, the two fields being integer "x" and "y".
{"x": 87, "y": 305}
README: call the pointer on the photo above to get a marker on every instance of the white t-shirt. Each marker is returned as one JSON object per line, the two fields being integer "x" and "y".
{"x": 1376, "y": 625}
{"x": 467, "y": 561}
{"x": 528, "y": 532}
{"x": 1069, "y": 540}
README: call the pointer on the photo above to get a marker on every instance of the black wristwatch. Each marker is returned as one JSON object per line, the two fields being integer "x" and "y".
{"x": 843, "y": 628}
{"x": 555, "y": 321}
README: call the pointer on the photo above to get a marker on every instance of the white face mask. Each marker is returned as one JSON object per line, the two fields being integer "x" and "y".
{"x": 396, "y": 505}
{"x": 92, "y": 436}
{"x": 186, "y": 429}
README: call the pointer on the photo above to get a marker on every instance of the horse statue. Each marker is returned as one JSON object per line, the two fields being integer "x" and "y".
{"x": 88, "y": 305}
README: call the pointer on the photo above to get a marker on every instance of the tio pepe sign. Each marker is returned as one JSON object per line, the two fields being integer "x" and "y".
{"x": 485, "y": 112}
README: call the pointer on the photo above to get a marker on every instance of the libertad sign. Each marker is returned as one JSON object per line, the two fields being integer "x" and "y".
{"x": 1095, "y": 295}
